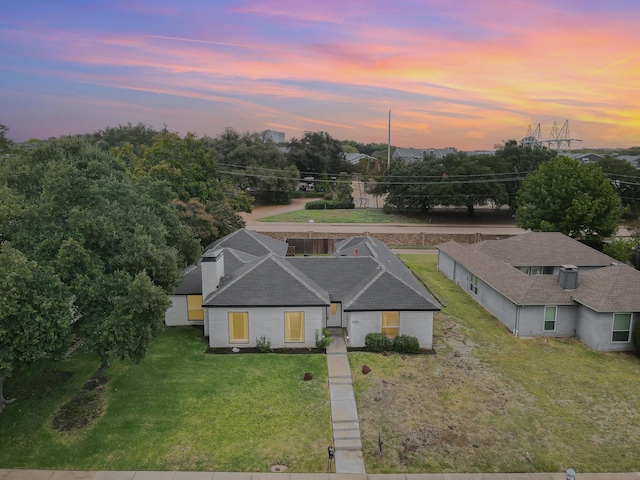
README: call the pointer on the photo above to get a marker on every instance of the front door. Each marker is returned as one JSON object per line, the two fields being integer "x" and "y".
{"x": 334, "y": 316}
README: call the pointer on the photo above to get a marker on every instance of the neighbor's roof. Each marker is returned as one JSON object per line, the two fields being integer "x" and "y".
{"x": 520, "y": 288}
{"x": 544, "y": 249}
{"x": 612, "y": 288}
{"x": 609, "y": 289}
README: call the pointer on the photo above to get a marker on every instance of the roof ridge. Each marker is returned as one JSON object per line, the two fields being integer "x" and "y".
{"x": 298, "y": 275}
{"x": 250, "y": 267}
{"x": 364, "y": 288}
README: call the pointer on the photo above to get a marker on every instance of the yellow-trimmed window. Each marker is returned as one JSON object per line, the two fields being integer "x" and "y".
{"x": 390, "y": 323}
{"x": 238, "y": 327}
{"x": 294, "y": 326}
{"x": 194, "y": 308}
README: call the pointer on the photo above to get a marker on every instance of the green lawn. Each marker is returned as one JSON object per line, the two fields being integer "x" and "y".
{"x": 179, "y": 409}
{"x": 489, "y": 402}
{"x": 356, "y": 215}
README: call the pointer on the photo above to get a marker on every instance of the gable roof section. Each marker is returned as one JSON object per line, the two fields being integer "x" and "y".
{"x": 250, "y": 242}
{"x": 191, "y": 283}
{"x": 269, "y": 281}
{"x": 385, "y": 291}
{"x": 609, "y": 289}
{"x": 544, "y": 249}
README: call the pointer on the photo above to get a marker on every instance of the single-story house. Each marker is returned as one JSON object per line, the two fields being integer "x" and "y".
{"x": 547, "y": 284}
{"x": 245, "y": 287}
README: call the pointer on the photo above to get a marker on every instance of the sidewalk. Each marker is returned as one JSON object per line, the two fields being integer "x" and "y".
{"x": 344, "y": 414}
{"x": 73, "y": 475}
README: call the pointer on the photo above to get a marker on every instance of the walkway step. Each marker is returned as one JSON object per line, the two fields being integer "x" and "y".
{"x": 346, "y": 435}
{"x": 346, "y": 425}
{"x": 348, "y": 444}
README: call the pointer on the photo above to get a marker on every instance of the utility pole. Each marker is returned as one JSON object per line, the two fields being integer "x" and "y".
{"x": 389, "y": 144}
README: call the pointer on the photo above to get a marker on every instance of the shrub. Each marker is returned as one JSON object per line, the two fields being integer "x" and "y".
{"x": 328, "y": 205}
{"x": 323, "y": 340}
{"x": 377, "y": 342}
{"x": 263, "y": 344}
{"x": 406, "y": 344}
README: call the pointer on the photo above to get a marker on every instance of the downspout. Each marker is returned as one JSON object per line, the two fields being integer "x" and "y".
{"x": 517, "y": 326}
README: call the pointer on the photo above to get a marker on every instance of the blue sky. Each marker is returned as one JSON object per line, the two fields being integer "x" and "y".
{"x": 467, "y": 74}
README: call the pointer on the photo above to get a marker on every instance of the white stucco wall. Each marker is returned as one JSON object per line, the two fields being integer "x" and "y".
{"x": 176, "y": 314}
{"x": 267, "y": 321}
{"x": 414, "y": 323}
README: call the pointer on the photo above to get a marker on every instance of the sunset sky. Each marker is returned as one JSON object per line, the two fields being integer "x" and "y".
{"x": 455, "y": 73}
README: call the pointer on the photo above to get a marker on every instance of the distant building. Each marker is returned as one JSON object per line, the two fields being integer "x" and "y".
{"x": 586, "y": 157}
{"x": 275, "y": 137}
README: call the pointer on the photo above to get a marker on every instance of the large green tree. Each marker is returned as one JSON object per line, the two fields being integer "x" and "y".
{"x": 567, "y": 196}
{"x": 318, "y": 152}
{"x": 75, "y": 209}
{"x": 625, "y": 178}
{"x": 35, "y": 313}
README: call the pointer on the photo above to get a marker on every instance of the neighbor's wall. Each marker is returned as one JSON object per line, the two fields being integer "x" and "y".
{"x": 531, "y": 322}
{"x": 422, "y": 239}
{"x": 267, "y": 321}
{"x": 595, "y": 329}
{"x": 500, "y": 307}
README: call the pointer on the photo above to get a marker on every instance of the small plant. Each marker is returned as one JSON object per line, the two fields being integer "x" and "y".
{"x": 263, "y": 344}
{"x": 323, "y": 339}
{"x": 377, "y": 342}
{"x": 405, "y": 344}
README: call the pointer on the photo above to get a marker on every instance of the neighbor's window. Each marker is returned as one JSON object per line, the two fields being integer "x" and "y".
{"x": 238, "y": 327}
{"x": 473, "y": 284}
{"x": 621, "y": 327}
{"x": 550, "y": 314}
{"x": 536, "y": 271}
{"x": 194, "y": 307}
{"x": 390, "y": 323}
{"x": 294, "y": 326}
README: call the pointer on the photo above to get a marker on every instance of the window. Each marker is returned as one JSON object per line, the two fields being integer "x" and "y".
{"x": 473, "y": 284}
{"x": 390, "y": 323}
{"x": 294, "y": 326}
{"x": 194, "y": 308}
{"x": 334, "y": 308}
{"x": 536, "y": 271}
{"x": 238, "y": 327}
{"x": 550, "y": 314}
{"x": 621, "y": 327}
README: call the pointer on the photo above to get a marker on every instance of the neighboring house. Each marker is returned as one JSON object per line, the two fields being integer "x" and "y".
{"x": 413, "y": 154}
{"x": 586, "y": 157}
{"x": 547, "y": 284}
{"x": 244, "y": 287}
{"x": 354, "y": 158}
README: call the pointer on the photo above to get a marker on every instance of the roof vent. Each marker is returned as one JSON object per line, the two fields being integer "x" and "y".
{"x": 568, "y": 277}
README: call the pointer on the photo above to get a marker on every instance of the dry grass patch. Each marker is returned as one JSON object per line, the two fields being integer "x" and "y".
{"x": 494, "y": 403}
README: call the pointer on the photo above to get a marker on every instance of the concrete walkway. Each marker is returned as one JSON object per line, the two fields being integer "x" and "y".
{"x": 344, "y": 415}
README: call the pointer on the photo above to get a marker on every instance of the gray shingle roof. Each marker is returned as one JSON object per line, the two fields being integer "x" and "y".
{"x": 269, "y": 281}
{"x": 385, "y": 291}
{"x": 544, "y": 249}
{"x": 612, "y": 288}
{"x": 191, "y": 283}
{"x": 251, "y": 242}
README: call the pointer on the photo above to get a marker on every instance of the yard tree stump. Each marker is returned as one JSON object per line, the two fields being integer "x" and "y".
{"x": 365, "y": 369}
{"x": 307, "y": 376}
